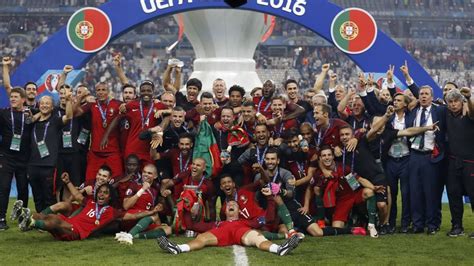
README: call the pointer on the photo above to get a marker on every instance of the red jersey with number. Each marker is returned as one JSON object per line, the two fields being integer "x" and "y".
{"x": 249, "y": 208}
{"x": 140, "y": 119}
{"x": 111, "y": 110}
{"x": 85, "y": 222}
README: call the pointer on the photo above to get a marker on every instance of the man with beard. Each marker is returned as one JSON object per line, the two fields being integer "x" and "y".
{"x": 179, "y": 157}
{"x": 292, "y": 91}
{"x": 460, "y": 130}
{"x": 327, "y": 129}
{"x": 248, "y": 117}
{"x": 233, "y": 231}
{"x": 30, "y": 87}
{"x": 141, "y": 213}
{"x": 255, "y": 154}
{"x": 219, "y": 89}
{"x": 341, "y": 190}
{"x": 102, "y": 151}
{"x": 14, "y": 151}
{"x": 128, "y": 94}
{"x": 176, "y": 127}
{"x": 278, "y": 122}
{"x": 280, "y": 182}
{"x": 205, "y": 107}
{"x": 263, "y": 104}
{"x": 140, "y": 114}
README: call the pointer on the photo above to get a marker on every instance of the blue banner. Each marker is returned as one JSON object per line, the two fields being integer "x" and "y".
{"x": 316, "y": 15}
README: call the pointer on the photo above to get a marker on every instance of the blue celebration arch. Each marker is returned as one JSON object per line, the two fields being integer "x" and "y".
{"x": 315, "y": 15}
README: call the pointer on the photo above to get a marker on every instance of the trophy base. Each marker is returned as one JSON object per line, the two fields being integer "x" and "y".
{"x": 234, "y": 71}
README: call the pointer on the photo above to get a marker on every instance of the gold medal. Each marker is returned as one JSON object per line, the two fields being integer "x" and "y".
{"x": 104, "y": 124}
{"x": 97, "y": 222}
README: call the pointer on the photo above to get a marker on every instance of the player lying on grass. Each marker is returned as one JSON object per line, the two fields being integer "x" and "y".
{"x": 249, "y": 209}
{"x": 95, "y": 215}
{"x": 233, "y": 231}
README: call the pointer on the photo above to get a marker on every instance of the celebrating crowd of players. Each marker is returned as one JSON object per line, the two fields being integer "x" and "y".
{"x": 329, "y": 165}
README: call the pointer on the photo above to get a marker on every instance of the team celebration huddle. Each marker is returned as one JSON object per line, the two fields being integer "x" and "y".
{"x": 229, "y": 167}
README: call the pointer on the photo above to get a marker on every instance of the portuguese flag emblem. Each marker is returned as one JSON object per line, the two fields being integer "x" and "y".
{"x": 89, "y": 30}
{"x": 353, "y": 30}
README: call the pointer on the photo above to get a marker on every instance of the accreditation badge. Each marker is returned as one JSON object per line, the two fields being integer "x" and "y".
{"x": 16, "y": 143}
{"x": 43, "y": 149}
{"x": 352, "y": 181}
{"x": 67, "y": 139}
{"x": 83, "y": 135}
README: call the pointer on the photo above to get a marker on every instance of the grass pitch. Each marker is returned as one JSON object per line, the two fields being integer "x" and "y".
{"x": 33, "y": 247}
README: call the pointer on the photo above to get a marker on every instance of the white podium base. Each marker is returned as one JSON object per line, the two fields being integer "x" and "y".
{"x": 235, "y": 71}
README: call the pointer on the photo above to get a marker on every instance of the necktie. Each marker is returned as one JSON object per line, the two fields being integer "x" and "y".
{"x": 422, "y": 124}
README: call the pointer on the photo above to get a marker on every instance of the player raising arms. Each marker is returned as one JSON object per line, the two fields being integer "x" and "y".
{"x": 233, "y": 231}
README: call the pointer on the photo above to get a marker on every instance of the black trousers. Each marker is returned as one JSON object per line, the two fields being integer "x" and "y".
{"x": 42, "y": 182}
{"x": 460, "y": 182}
{"x": 70, "y": 163}
{"x": 9, "y": 168}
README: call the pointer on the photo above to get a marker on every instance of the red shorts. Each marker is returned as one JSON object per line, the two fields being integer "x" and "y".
{"x": 344, "y": 205}
{"x": 66, "y": 236}
{"x": 230, "y": 233}
{"x": 96, "y": 160}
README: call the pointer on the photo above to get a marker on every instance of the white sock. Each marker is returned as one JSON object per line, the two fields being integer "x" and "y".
{"x": 184, "y": 247}
{"x": 273, "y": 248}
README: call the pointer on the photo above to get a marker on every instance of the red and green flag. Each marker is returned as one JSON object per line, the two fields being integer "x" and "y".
{"x": 353, "y": 30}
{"x": 89, "y": 30}
{"x": 205, "y": 146}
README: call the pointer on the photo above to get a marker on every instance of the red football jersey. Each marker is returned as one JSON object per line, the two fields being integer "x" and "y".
{"x": 343, "y": 188}
{"x": 140, "y": 120}
{"x": 185, "y": 178}
{"x": 263, "y": 106}
{"x": 249, "y": 208}
{"x": 179, "y": 163}
{"x": 330, "y": 136}
{"x": 85, "y": 222}
{"x": 147, "y": 200}
{"x": 277, "y": 130}
{"x": 111, "y": 110}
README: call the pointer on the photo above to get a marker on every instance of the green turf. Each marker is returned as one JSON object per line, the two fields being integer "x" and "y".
{"x": 33, "y": 247}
